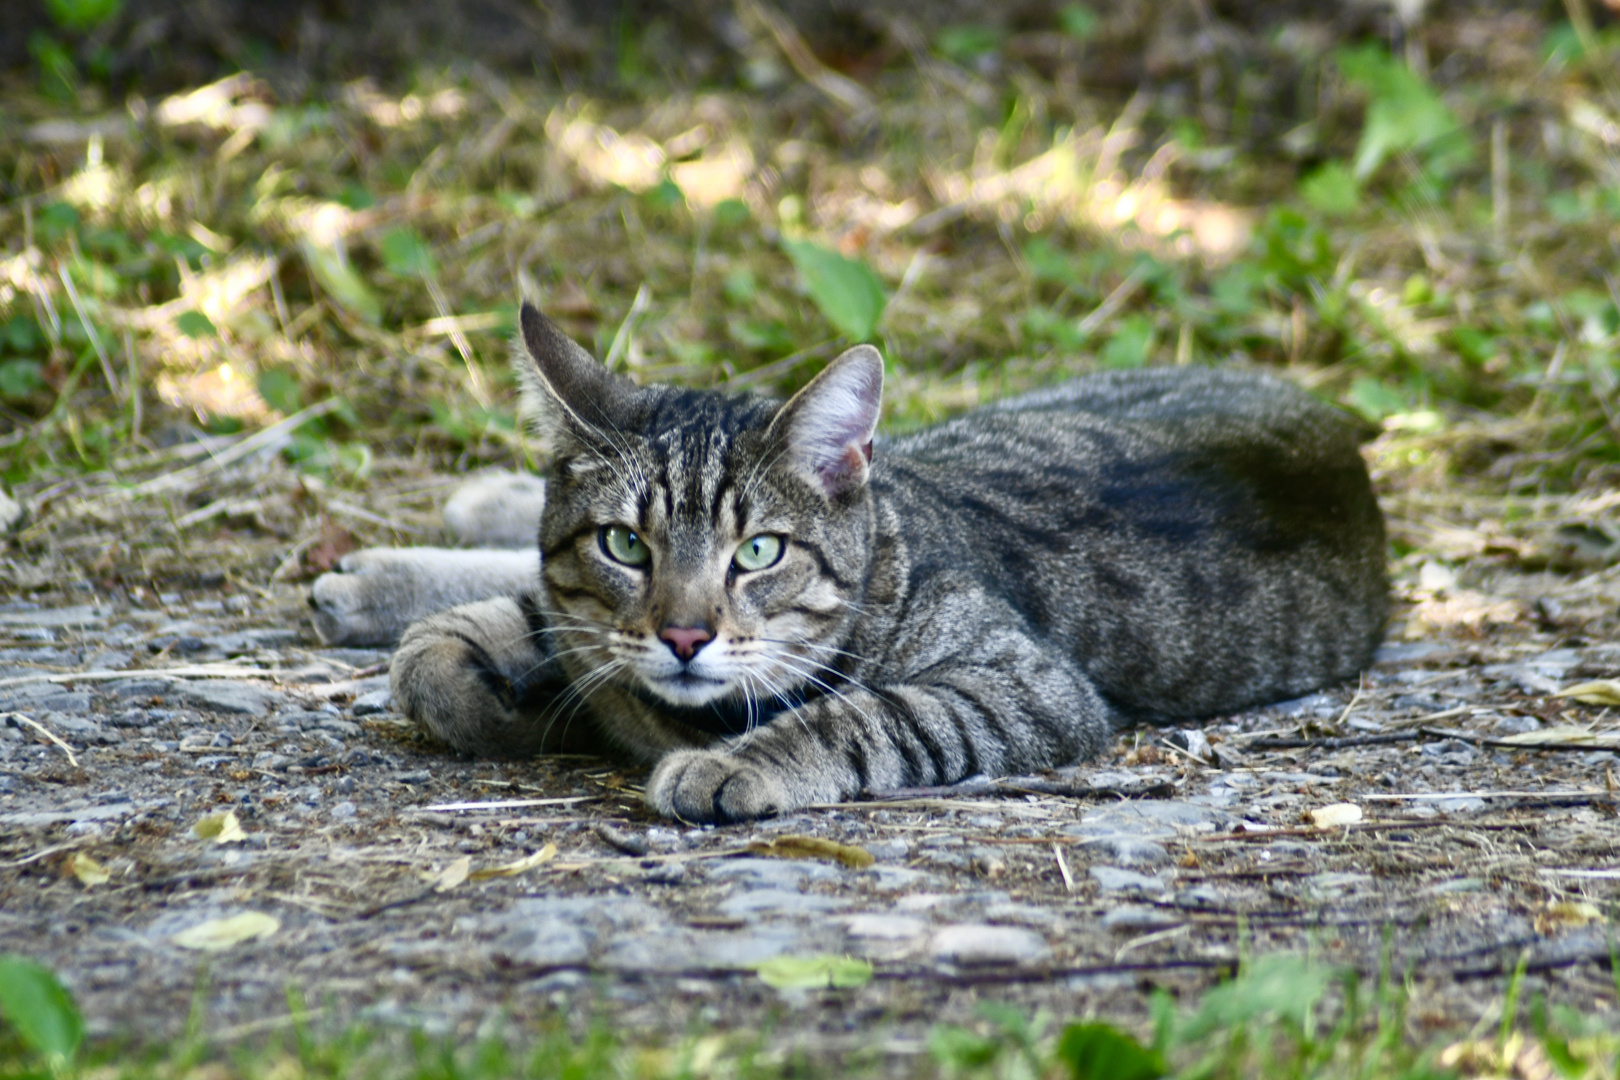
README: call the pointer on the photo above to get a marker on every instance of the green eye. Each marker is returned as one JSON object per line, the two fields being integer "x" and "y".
{"x": 758, "y": 552}
{"x": 623, "y": 545}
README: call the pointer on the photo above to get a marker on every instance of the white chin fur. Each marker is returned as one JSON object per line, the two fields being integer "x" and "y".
{"x": 686, "y": 693}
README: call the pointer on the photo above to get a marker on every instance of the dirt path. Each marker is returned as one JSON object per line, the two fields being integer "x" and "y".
{"x": 131, "y": 713}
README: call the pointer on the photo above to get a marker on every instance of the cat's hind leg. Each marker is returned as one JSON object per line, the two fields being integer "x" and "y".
{"x": 376, "y": 593}
{"x": 481, "y": 677}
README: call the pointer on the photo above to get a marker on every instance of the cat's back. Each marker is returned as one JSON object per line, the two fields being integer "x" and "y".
{"x": 1202, "y": 539}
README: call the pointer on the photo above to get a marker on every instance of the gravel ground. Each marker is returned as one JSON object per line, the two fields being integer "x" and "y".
{"x": 129, "y": 715}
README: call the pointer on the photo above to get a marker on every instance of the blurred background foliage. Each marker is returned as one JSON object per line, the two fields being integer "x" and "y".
{"x": 216, "y": 215}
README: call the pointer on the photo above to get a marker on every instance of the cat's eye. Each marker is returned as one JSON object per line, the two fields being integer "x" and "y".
{"x": 623, "y": 545}
{"x": 758, "y": 552}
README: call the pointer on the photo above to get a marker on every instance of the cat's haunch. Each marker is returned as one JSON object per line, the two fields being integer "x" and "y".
{"x": 778, "y": 611}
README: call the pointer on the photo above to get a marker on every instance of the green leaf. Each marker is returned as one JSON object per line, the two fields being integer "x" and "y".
{"x": 731, "y": 214}
{"x": 20, "y": 378}
{"x": 1078, "y": 21}
{"x": 1374, "y": 400}
{"x": 1100, "y": 1052}
{"x": 406, "y": 254}
{"x": 338, "y": 278}
{"x": 848, "y": 293}
{"x": 1050, "y": 264}
{"x": 816, "y": 972}
{"x": 35, "y": 1004}
{"x": 280, "y": 391}
{"x": 21, "y": 334}
{"x": 1279, "y": 985}
{"x": 79, "y": 15}
{"x": 194, "y": 324}
{"x": 962, "y": 43}
{"x": 1332, "y": 189}
{"x": 356, "y": 196}
{"x": 1131, "y": 344}
{"x": 1404, "y": 113}
{"x": 959, "y": 1048}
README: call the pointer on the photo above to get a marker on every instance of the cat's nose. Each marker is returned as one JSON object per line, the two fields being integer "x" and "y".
{"x": 685, "y": 641}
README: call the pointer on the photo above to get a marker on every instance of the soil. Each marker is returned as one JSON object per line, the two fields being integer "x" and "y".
{"x": 151, "y": 678}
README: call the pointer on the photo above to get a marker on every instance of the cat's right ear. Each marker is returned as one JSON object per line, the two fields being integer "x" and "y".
{"x": 568, "y": 396}
{"x": 828, "y": 426}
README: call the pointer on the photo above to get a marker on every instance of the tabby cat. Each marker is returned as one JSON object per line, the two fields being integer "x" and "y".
{"x": 779, "y": 609}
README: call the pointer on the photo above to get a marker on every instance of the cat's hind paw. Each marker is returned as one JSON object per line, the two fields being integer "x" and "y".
{"x": 703, "y": 786}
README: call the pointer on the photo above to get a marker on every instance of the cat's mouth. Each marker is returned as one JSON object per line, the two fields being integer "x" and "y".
{"x": 687, "y": 687}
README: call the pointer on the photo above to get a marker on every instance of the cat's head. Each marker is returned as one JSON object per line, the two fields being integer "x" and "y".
{"x": 700, "y": 548}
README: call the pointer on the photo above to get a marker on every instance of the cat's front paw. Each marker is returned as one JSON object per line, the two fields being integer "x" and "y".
{"x": 366, "y": 600}
{"x": 714, "y": 786}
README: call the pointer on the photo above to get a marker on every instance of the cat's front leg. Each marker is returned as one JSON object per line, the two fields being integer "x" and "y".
{"x": 375, "y": 594}
{"x": 1035, "y": 712}
{"x": 482, "y": 678}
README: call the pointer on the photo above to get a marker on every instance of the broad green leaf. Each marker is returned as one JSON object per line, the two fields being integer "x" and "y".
{"x": 1131, "y": 344}
{"x": 848, "y": 293}
{"x": 37, "y": 1007}
{"x": 1332, "y": 189}
{"x": 80, "y": 15}
{"x": 19, "y": 378}
{"x": 341, "y": 283}
{"x": 1279, "y": 985}
{"x": 1078, "y": 21}
{"x": 1404, "y": 112}
{"x": 959, "y": 1048}
{"x": 963, "y": 43}
{"x": 406, "y": 254}
{"x": 1373, "y": 400}
{"x": 280, "y": 391}
{"x": 1101, "y": 1052}
{"x": 194, "y": 324}
{"x": 815, "y": 972}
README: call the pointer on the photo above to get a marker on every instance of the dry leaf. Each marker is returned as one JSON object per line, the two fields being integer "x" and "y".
{"x": 220, "y": 828}
{"x": 87, "y": 870}
{"x": 330, "y": 546}
{"x": 1598, "y": 692}
{"x": 1565, "y": 736}
{"x": 453, "y": 875}
{"x": 512, "y": 869}
{"x": 813, "y": 847}
{"x": 1334, "y": 814}
{"x": 217, "y": 935}
{"x": 1567, "y": 915}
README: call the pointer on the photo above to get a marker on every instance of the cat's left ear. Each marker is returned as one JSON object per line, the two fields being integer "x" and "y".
{"x": 828, "y": 425}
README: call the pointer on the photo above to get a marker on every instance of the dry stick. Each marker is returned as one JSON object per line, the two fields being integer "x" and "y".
{"x": 458, "y": 339}
{"x": 45, "y": 731}
{"x": 621, "y": 339}
{"x": 848, "y": 93}
{"x": 1509, "y": 744}
{"x": 182, "y": 478}
{"x": 1063, "y": 868}
{"x": 506, "y": 804}
{"x": 95, "y": 338}
{"x": 1335, "y": 742}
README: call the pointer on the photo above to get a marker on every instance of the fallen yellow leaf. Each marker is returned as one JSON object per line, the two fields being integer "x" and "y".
{"x": 1597, "y": 692}
{"x": 217, "y": 935}
{"x": 813, "y": 847}
{"x": 87, "y": 870}
{"x": 220, "y": 828}
{"x": 1565, "y": 736}
{"x": 512, "y": 869}
{"x": 1567, "y": 914}
{"x": 1343, "y": 813}
{"x": 453, "y": 875}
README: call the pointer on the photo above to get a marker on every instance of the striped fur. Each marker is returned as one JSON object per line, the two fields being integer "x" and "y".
{"x": 993, "y": 595}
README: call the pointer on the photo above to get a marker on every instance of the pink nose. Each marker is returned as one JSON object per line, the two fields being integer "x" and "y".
{"x": 685, "y": 640}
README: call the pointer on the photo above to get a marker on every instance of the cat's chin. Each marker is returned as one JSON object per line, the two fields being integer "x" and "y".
{"x": 687, "y": 690}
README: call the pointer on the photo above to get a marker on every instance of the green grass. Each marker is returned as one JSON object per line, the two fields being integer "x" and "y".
{"x": 1281, "y": 1018}
{"x": 1429, "y": 255}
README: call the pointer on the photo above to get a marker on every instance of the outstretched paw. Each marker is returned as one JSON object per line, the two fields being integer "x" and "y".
{"x": 367, "y": 600}
{"x": 713, "y": 786}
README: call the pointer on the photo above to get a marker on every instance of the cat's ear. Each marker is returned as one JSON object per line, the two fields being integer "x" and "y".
{"x": 568, "y": 396}
{"x": 828, "y": 425}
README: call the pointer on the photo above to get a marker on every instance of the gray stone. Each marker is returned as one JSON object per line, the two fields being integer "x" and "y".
{"x": 1023, "y": 915}
{"x": 1139, "y": 918}
{"x": 1327, "y": 886}
{"x": 892, "y": 848}
{"x": 343, "y": 811}
{"x": 226, "y": 696}
{"x": 1117, "y": 879}
{"x": 684, "y": 950}
{"x": 142, "y": 688}
{"x": 899, "y": 878}
{"x": 775, "y": 873}
{"x": 1129, "y": 850}
{"x": 779, "y": 902}
{"x": 976, "y": 944}
{"x": 375, "y": 701}
{"x": 1403, "y": 653}
{"x": 1150, "y": 819}
{"x": 885, "y": 927}
{"x": 545, "y": 942}
{"x": 78, "y": 615}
